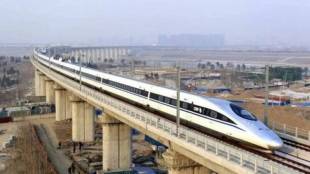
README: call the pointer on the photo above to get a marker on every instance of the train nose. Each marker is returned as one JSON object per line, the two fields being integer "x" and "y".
{"x": 275, "y": 143}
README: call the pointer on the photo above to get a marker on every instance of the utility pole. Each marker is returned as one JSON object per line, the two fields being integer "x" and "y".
{"x": 266, "y": 94}
{"x": 132, "y": 66}
{"x": 178, "y": 84}
{"x": 80, "y": 63}
{"x": 17, "y": 90}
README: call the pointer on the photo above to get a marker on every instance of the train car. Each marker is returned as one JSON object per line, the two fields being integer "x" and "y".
{"x": 216, "y": 115}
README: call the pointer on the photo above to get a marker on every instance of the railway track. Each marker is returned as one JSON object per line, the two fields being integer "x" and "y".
{"x": 296, "y": 144}
{"x": 284, "y": 159}
{"x": 291, "y": 161}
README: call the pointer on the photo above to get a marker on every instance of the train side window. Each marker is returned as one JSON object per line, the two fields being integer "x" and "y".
{"x": 161, "y": 98}
{"x": 144, "y": 93}
{"x": 213, "y": 114}
{"x": 224, "y": 118}
{"x": 167, "y": 100}
{"x": 206, "y": 112}
{"x": 197, "y": 109}
{"x": 173, "y": 102}
{"x": 184, "y": 105}
{"x": 154, "y": 96}
{"x": 219, "y": 116}
{"x": 190, "y": 107}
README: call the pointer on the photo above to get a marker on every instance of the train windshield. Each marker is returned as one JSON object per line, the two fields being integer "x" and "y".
{"x": 242, "y": 112}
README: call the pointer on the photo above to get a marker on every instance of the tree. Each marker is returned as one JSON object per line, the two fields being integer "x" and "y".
{"x": 12, "y": 59}
{"x": 221, "y": 66}
{"x": 203, "y": 66}
{"x": 212, "y": 67}
{"x": 11, "y": 71}
{"x": 228, "y": 65}
{"x": 111, "y": 60}
{"x": 146, "y": 76}
{"x": 286, "y": 73}
{"x": 238, "y": 67}
{"x": 199, "y": 65}
{"x": 243, "y": 67}
{"x": 123, "y": 61}
{"x": 156, "y": 76}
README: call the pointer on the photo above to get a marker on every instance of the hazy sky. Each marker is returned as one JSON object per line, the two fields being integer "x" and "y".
{"x": 141, "y": 21}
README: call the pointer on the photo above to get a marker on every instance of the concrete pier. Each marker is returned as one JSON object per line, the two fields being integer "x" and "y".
{"x": 77, "y": 120}
{"x": 50, "y": 92}
{"x": 42, "y": 91}
{"x": 89, "y": 123}
{"x": 68, "y": 106}
{"x": 179, "y": 164}
{"x": 60, "y": 102}
{"x": 83, "y": 118}
{"x": 37, "y": 82}
{"x": 116, "y": 144}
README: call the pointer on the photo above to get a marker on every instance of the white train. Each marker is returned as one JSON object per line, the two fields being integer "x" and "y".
{"x": 213, "y": 114}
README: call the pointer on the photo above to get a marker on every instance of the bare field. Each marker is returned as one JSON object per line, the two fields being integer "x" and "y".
{"x": 25, "y": 87}
{"x": 296, "y": 117}
{"x": 293, "y": 116}
{"x": 240, "y": 57}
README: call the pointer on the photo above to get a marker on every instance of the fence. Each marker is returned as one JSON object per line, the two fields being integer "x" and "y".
{"x": 291, "y": 131}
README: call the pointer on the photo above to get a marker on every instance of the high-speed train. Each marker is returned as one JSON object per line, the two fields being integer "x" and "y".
{"x": 216, "y": 115}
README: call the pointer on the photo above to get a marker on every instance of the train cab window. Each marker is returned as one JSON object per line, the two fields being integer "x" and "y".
{"x": 242, "y": 112}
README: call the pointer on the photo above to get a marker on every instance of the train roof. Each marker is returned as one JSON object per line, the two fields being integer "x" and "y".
{"x": 166, "y": 91}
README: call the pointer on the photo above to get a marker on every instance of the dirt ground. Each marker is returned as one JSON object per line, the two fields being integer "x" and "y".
{"x": 293, "y": 116}
{"x": 63, "y": 130}
{"x": 281, "y": 114}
